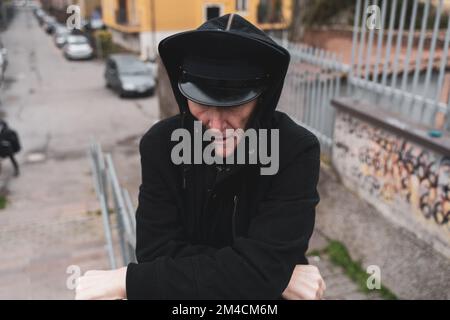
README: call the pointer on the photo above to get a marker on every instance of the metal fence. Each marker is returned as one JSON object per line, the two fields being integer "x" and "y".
{"x": 313, "y": 80}
{"x": 397, "y": 67}
{"x": 121, "y": 209}
{"x": 392, "y": 66}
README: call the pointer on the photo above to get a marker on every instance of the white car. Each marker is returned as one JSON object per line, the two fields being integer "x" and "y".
{"x": 60, "y": 36}
{"x": 77, "y": 47}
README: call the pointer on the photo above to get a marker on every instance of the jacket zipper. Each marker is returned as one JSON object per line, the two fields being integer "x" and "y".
{"x": 233, "y": 217}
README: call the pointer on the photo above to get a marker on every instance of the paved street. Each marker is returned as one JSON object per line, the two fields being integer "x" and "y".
{"x": 57, "y": 107}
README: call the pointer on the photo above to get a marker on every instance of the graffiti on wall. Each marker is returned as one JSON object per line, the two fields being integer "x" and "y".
{"x": 393, "y": 170}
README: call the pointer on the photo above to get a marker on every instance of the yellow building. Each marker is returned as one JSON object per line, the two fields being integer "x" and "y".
{"x": 140, "y": 25}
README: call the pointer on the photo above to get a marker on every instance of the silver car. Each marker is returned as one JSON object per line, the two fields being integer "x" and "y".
{"x": 129, "y": 76}
{"x": 77, "y": 47}
{"x": 60, "y": 36}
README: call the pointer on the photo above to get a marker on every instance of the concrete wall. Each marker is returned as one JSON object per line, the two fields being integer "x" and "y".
{"x": 385, "y": 198}
{"x": 405, "y": 180}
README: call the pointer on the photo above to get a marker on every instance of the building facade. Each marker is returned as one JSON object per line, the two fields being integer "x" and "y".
{"x": 139, "y": 25}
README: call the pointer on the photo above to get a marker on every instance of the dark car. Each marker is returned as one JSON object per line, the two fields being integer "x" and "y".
{"x": 50, "y": 24}
{"x": 128, "y": 75}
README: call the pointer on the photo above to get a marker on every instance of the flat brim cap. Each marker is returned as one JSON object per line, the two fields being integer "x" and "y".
{"x": 221, "y": 82}
{"x": 220, "y": 68}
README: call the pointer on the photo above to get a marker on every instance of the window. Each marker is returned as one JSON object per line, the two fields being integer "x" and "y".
{"x": 270, "y": 11}
{"x": 241, "y": 5}
{"x": 213, "y": 11}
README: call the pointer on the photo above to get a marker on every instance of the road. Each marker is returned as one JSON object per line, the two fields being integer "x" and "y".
{"x": 57, "y": 107}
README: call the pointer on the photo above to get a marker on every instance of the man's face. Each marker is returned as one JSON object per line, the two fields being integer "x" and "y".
{"x": 219, "y": 119}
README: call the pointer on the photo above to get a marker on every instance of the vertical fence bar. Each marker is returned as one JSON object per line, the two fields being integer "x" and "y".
{"x": 329, "y": 123}
{"x": 313, "y": 100}
{"x": 118, "y": 191}
{"x": 444, "y": 62}
{"x": 419, "y": 57}
{"x": 292, "y": 84}
{"x": 362, "y": 40}
{"x": 399, "y": 43}
{"x": 121, "y": 231}
{"x": 354, "y": 43}
{"x": 101, "y": 191}
{"x": 420, "y": 47}
{"x": 432, "y": 48}
{"x": 131, "y": 210}
{"x": 387, "y": 58}
{"x": 369, "y": 50}
{"x": 406, "y": 62}
{"x": 333, "y": 111}
{"x": 130, "y": 235}
{"x": 297, "y": 95}
{"x": 324, "y": 108}
{"x": 380, "y": 42}
{"x": 328, "y": 107}
{"x": 308, "y": 98}
{"x": 430, "y": 65}
{"x": 123, "y": 223}
{"x": 319, "y": 103}
{"x": 302, "y": 99}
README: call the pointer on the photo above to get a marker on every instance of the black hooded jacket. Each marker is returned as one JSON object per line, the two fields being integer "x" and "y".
{"x": 224, "y": 232}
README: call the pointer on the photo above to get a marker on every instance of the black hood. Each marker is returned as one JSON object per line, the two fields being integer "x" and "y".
{"x": 229, "y": 35}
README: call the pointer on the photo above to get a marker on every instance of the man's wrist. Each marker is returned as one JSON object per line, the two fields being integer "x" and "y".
{"x": 122, "y": 284}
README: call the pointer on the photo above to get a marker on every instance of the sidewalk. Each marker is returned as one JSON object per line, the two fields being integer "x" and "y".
{"x": 339, "y": 285}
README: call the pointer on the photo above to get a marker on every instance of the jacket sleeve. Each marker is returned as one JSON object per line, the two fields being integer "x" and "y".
{"x": 258, "y": 266}
{"x": 158, "y": 230}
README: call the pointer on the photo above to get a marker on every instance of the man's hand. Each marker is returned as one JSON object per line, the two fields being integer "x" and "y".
{"x": 102, "y": 285}
{"x": 306, "y": 284}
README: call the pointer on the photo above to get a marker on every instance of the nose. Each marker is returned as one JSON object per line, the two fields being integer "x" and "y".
{"x": 216, "y": 119}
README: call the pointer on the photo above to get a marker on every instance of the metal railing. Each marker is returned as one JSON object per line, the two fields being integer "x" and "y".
{"x": 389, "y": 67}
{"x": 312, "y": 82}
{"x": 108, "y": 190}
{"x": 411, "y": 81}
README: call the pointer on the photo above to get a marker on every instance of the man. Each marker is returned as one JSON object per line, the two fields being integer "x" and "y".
{"x": 222, "y": 230}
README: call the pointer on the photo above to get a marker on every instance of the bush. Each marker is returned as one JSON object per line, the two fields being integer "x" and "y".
{"x": 103, "y": 42}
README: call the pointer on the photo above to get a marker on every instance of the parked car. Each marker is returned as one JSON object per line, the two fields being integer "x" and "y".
{"x": 49, "y": 24}
{"x": 77, "y": 47}
{"x": 40, "y": 14}
{"x": 60, "y": 35}
{"x": 128, "y": 75}
{"x": 3, "y": 61}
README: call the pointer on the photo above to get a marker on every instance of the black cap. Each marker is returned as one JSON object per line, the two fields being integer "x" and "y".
{"x": 225, "y": 62}
{"x": 221, "y": 82}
